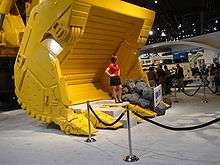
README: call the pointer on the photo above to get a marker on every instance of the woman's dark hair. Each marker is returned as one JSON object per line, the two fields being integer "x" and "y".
{"x": 114, "y": 59}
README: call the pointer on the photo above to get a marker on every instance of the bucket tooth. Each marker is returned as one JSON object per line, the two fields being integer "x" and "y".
{"x": 77, "y": 126}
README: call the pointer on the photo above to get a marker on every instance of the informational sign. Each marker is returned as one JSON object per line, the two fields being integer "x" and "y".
{"x": 157, "y": 95}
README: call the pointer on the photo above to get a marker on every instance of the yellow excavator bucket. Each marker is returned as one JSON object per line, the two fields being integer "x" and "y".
{"x": 65, "y": 50}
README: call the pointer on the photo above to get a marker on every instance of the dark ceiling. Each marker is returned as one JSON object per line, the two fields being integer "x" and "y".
{"x": 175, "y": 19}
{"x": 179, "y": 19}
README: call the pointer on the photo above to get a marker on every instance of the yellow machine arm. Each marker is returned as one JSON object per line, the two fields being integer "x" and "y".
{"x": 11, "y": 33}
{"x": 66, "y": 47}
{"x": 11, "y": 28}
{"x": 29, "y": 5}
{"x": 5, "y": 6}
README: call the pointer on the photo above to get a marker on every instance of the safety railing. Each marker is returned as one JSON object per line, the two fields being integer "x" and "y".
{"x": 131, "y": 157}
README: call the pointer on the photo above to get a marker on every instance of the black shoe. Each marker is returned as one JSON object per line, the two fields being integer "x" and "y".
{"x": 116, "y": 101}
{"x": 120, "y": 101}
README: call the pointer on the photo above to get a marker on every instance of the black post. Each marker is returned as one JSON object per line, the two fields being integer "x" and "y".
{"x": 130, "y": 157}
{"x": 205, "y": 100}
{"x": 2, "y": 17}
{"x": 90, "y": 139}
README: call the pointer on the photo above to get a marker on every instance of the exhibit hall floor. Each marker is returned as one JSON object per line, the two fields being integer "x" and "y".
{"x": 25, "y": 141}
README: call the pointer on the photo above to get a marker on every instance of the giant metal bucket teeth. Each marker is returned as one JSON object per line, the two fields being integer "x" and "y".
{"x": 64, "y": 52}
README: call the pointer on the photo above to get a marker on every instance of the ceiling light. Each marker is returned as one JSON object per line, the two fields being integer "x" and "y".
{"x": 183, "y": 31}
{"x": 163, "y": 34}
{"x": 151, "y": 33}
{"x": 215, "y": 28}
{"x": 216, "y": 21}
{"x": 155, "y": 1}
{"x": 193, "y": 24}
{"x": 179, "y": 26}
{"x": 194, "y": 30}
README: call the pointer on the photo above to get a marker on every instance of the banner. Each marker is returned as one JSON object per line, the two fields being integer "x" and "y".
{"x": 157, "y": 95}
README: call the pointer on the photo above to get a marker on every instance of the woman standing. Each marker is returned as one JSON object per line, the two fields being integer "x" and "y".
{"x": 113, "y": 71}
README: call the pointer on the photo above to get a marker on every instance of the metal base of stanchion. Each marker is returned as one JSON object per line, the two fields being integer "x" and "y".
{"x": 90, "y": 140}
{"x": 132, "y": 158}
{"x": 205, "y": 100}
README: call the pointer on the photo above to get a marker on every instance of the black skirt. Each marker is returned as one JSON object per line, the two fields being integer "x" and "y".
{"x": 115, "y": 81}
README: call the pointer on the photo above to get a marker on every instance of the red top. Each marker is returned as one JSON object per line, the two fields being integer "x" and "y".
{"x": 114, "y": 69}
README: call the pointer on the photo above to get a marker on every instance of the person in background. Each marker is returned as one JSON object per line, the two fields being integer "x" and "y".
{"x": 113, "y": 71}
{"x": 217, "y": 76}
{"x": 152, "y": 77}
{"x": 161, "y": 77}
{"x": 204, "y": 74}
{"x": 167, "y": 79}
{"x": 179, "y": 77}
{"x": 212, "y": 74}
{"x": 204, "y": 70}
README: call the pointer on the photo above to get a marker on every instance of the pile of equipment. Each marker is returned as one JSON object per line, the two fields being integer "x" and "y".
{"x": 137, "y": 93}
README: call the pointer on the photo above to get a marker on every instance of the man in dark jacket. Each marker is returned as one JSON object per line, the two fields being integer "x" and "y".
{"x": 152, "y": 77}
{"x": 161, "y": 77}
{"x": 217, "y": 76}
{"x": 168, "y": 80}
{"x": 204, "y": 72}
{"x": 179, "y": 77}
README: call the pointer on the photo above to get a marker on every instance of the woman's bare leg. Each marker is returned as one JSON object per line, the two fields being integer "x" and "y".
{"x": 119, "y": 92}
{"x": 114, "y": 93}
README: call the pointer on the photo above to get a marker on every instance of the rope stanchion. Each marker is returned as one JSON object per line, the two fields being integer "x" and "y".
{"x": 130, "y": 157}
{"x": 204, "y": 98}
{"x": 107, "y": 124}
{"x": 175, "y": 100}
{"x": 214, "y": 92}
{"x": 192, "y": 93}
{"x": 90, "y": 139}
{"x": 178, "y": 128}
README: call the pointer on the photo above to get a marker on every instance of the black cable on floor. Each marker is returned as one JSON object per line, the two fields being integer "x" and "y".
{"x": 178, "y": 128}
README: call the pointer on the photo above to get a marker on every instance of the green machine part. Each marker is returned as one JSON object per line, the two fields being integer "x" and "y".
{"x": 64, "y": 52}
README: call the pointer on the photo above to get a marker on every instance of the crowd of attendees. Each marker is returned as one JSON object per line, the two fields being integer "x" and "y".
{"x": 211, "y": 74}
{"x": 162, "y": 75}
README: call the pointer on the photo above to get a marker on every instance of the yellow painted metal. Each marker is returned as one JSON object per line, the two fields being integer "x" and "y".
{"x": 142, "y": 111}
{"x": 104, "y": 117}
{"x": 65, "y": 50}
{"x": 12, "y": 29}
{"x": 5, "y": 6}
{"x": 165, "y": 104}
{"x": 29, "y": 5}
